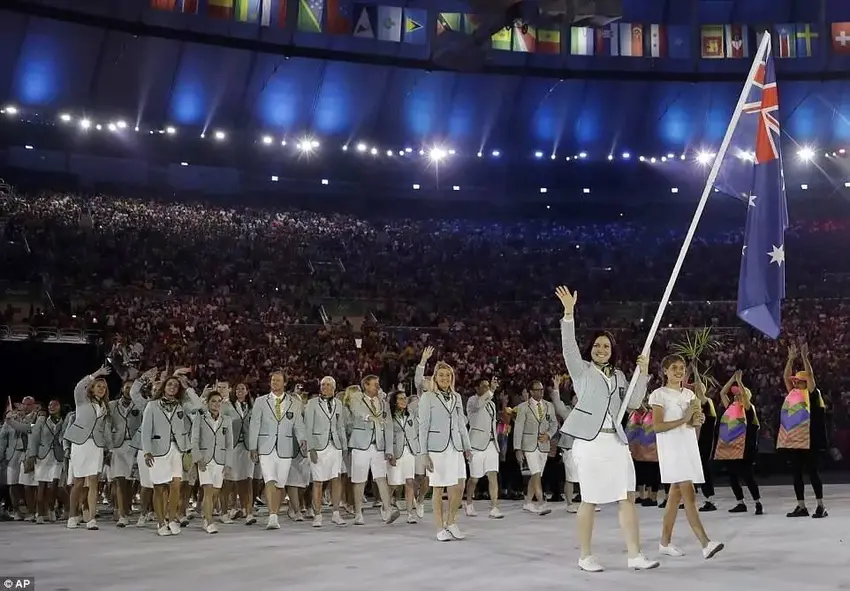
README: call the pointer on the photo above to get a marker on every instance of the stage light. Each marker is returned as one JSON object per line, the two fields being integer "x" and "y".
{"x": 682, "y": 157}
{"x": 674, "y": 190}
{"x": 389, "y": 152}
{"x": 409, "y": 150}
{"x": 65, "y": 117}
{"x": 184, "y": 164}
{"x": 704, "y": 158}
{"x": 806, "y": 153}
{"x": 847, "y": 184}
{"x": 568, "y": 158}
{"x": 282, "y": 142}
{"x": 203, "y": 135}
{"x": 804, "y": 187}
{"x": 842, "y": 151}
{"x": 626, "y": 155}
{"x": 455, "y": 188}
{"x": 664, "y": 159}
{"x": 345, "y": 147}
{"x": 582, "y": 155}
{"x": 671, "y": 155}
{"x": 652, "y": 160}
{"x": 324, "y": 181}
{"x": 274, "y": 178}
{"x": 401, "y": 152}
{"x": 170, "y": 130}
{"x": 495, "y": 153}
{"x": 451, "y": 152}
{"x": 220, "y": 135}
{"x": 586, "y": 191}
{"x": 111, "y": 127}
{"x": 642, "y": 159}
{"x": 538, "y": 154}
{"x": 314, "y": 143}
{"x": 544, "y": 190}
{"x": 121, "y": 124}
{"x": 28, "y": 147}
{"x": 552, "y": 157}
{"x": 610, "y": 157}
{"x": 11, "y": 110}
{"x": 421, "y": 152}
{"x": 306, "y": 145}
{"x": 437, "y": 154}
{"x": 480, "y": 154}
{"x": 373, "y": 151}
{"x": 415, "y": 187}
{"x": 98, "y": 127}
{"x": 267, "y": 140}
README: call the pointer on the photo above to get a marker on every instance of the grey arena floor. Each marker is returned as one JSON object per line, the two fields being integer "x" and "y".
{"x": 517, "y": 553}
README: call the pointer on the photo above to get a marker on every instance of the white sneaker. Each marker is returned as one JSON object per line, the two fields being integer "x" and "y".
{"x": 163, "y": 530}
{"x": 589, "y": 564}
{"x": 411, "y": 518}
{"x": 420, "y": 510}
{"x": 543, "y": 509}
{"x": 572, "y": 508}
{"x": 184, "y": 521}
{"x": 358, "y": 519}
{"x": 640, "y": 562}
{"x": 712, "y": 549}
{"x": 669, "y": 550}
{"x": 250, "y": 519}
{"x": 444, "y": 536}
{"x": 273, "y": 522}
{"x": 470, "y": 510}
{"x": 317, "y": 520}
{"x": 226, "y": 519}
{"x": 174, "y": 526}
{"x": 309, "y": 514}
{"x": 394, "y": 514}
{"x": 495, "y": 513}
{"x": 73, "y": 523}
{"x": 39, "y": 520}
{"x": 51, "y": 516}
{"x": 337, "y": 519}
{"x": 231, "y": 515}
{"x": 142, "y": 521}
{"x": 211, "y": 528}
{"x": 455, "y": 532}
{"x": 86, "y": 516}
{"x": 122, "y": 522}
{"x": 531, "y": 508}
{"x": 92, "y": 525}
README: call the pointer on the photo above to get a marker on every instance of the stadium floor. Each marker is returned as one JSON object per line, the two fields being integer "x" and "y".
{"x": 517, "y": 553}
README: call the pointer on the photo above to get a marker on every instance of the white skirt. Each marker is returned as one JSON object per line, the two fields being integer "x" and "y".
{"x": 328, "y": 464}
{"x": 404, "y": 469}
{"x": 606, "y": 472}
{"x": 299, "y": 472}
{"x": 449, "y": 468}
{"x": 346, "y": 463}
{"x": 48, "y": 469}
{"x": 26, "y": 478}
{"x": 484, "y": 461}
{"x": 121, "y": 465}
{"x": 243, "y": 467}
{"x": 258, "y": 472}
{"x": 168, "y": 467}
{"x": 570, "y": 465}
{"x": 144, "y": 472}
{"x": 13, "y": 473}
{"x": 86, "y": 459}
{"x": 536, "y": 461}
{"x": 211, "y": 474}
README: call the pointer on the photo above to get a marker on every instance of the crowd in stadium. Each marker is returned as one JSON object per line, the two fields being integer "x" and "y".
{"x": 235, "y": 292}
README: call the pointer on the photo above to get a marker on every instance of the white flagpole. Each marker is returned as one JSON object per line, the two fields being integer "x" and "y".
{"x": 706, "y": 193}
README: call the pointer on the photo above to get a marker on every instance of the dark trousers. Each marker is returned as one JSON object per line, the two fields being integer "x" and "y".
{"x": 707, "y": 487}
{"x": 554, "y": 476}
{"x": 742, "y": 470}
{"x": 805, "y": 460}
{"x": 648, "y": 474}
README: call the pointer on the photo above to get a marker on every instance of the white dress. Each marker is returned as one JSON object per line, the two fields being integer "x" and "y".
{"x": 604, "y": 466}
{"x": 678, "y": 449}
{"x": 87, "y": 458}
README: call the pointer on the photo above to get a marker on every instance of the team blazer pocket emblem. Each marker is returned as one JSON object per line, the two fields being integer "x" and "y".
{"x": 135, "y": 412}
{"x": 384, "y": 415}
{"x": 179, "y": 414}
{"x": 224, "y": 431}
{"x": 410, "y": 422}
{"x": 289, "y": 415}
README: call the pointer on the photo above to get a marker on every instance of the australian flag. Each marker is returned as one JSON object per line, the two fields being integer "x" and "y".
{"x": 752, "y": 171}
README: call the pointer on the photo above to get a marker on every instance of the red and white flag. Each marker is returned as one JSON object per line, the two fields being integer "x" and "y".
{"x": 737, "y": 41}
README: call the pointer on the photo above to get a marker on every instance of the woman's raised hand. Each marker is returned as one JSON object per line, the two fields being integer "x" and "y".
{"x": 568, "y": 299}
{"x": 643, "y": 364}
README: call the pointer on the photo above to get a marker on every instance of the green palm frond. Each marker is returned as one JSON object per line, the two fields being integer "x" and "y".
{"x": 696, "y": 346}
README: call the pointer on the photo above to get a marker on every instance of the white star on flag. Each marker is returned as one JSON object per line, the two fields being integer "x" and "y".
{"x": 752, "y": 200}
{"x": 777, "y": 255}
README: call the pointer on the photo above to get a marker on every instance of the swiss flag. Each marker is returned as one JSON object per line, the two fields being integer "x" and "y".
{"x": 841, "y": 38}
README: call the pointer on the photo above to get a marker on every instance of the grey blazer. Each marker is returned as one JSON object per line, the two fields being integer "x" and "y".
{"x": 598, "y": 396}
{"x": 126, "y": 420}
{"x": 325, "y": 426}
{"x": 87, "y": 424}
{"x": 191, "y": 403}
{"x": 46, "y": 438}
{"x": 406, "y": 434}
{"x": 366, "y": 427}
{"x": 442, "y": 423}
{"x": 13, "y": 440}
{"x": 481, "y": 411}
{"x": 69, "y": 420}
{"x": 563, "y": 411}
{"x": 160, "y": 428}
{"x": 211, "y": 442}
{"x": 240, "y": 419}
{"x": 528, "y": 426}
{"x": 267, "y": 435}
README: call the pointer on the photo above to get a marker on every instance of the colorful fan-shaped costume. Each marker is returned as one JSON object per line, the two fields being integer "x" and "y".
{"x": 795, "y": 421}
{"x": 641, "y": 435}
{"x": 732, "y": 436}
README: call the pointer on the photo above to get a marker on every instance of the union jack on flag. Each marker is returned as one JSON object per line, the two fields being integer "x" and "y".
{"x": 752, "y": 171}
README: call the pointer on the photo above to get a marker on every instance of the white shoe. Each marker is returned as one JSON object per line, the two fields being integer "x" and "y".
{"x": 309, "y": 514}
{"x": 163, "y": 530}
{"x": 174, "y": 526}
{"x": 543, "y": 509}
{"x": 420, "y": 510}
{"x": 122, "y": 522}
{"x": 142, "y": 521}
{"x": 337, "y": 519}
{"x": 470, "y": 510}
{"x": 250, "y": 519}
{"x": 572, "y": 508}
{"x": 92, "y": 525}
{"x": 530, "y": 508}
{"x": 669, "y": 550}
{"x": 358, "y": 519}
{"x": 39, "y": 520}
{"x": 184, "y": 521}
{"x": 411, "y": 518}
{"x": 273, "y": 522}
{"x": 444, "y": 536}
{"x": 712, "y": 549}
{"x": 317, "y": 520}
{"x": 394, "y": 514}
{"x": 73, "y": 523}
{"x": 495, "y": 513}
{"x": 226, "y": 519}
{"x": 589, "y": 564}
{"x": 640, "y": 562}
{"x": 455, "y": 532}
{"x": 190, "y": 513}
{"x": 51, "y": 516}
{"x": 231, "y": 515}
{"x": 211, "y": 528}
{"x": 86, "y": 516}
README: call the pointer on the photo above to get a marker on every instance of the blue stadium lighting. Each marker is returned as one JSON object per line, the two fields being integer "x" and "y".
{"x": 552, "y": 157}
{"x": 480, "y": 154}
{"x": 314, "y": 143}
{"x": 455, "y": 188}
{"x": 652, "y": 160}
{"x": 642, "y": 159}
{"x": 582, "y": 155}
{"x": 373, "y": 151}
{"x": 674, "y": 190}
{"x": 203, "y": 135}
{"x": 806, "y": 153}
{"x": 437, "y": 154}
{"x": 345, "y": 147}
{"x": 409, "y": 150}
{"x": 538, "y": 154}
{"x": 401, "y": 152}
{"x": 452, "y": 152}
{"x": 112, "y": 127}
{"x": 283, "y": 142}
{"x": 389, "y": 152}
{"x": 65, "y": 118}
{"x": 568, "y": 158}
{"x": 626, "y": 155}
{"x": 85, "y": 123}
{"x": 28, "y": 147}
{"x": 421, "y": 152}
{"x": 415, "y": 187}
{"x": 610, "y": 157}
{"x": 804, "y": 187}
{"x": 267, "y": 140}
{"x": 495, "y": 153}
{"x": 671, "y": 156}
{"x": 544, "y": 190}
{"x": 586, "y": 191}
{"x": 121, "y": 124}
{"x": 11, "y": 110}
{"x": 274, "y": 178}
{"x": 220, "y": 135}
{"x": 98, "y": 127}
{"x": 324, "y": 181}
{"x": 136, "y": 128}
{"x": 169, "y": 130}
{"x": 703, "y": 158}
{"x": 664, "y": 159}
{"x": 682, "y": 157}
{"x": 361, "y": 147}
{"x": 184, "y": 164}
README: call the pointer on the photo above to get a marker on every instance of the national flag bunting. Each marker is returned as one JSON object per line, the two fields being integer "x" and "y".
{"x": 807, "y": 40}
{"x": 655, "y": 41}
{"x": 339, "y": 17}
{"x": 414, "y": 26}
{"x": 549, "y": 41}
{"x": 712, "y": 41}
{"x": 786, "y": 41}
{"x": 364, "y": 25}
{"x": 607, "y": 40}
{"x": 581, "y": 40}
{"x": 679, "y": 41}
{"x": 737, "y": 41}
{"x": 389, "y": 23}
{"x": 631, "y": 39}
{"x": 221, "y": 9}
{"x": 501, "y": 39}
{"x": 524, "y": 39}
{"x": 448, "y": 21}
{"x": 841, "y": 38}
{"x": 310, "y": 15}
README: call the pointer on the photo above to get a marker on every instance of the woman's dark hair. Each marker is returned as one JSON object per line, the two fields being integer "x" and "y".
{"x": 614, "y": 361}
{"x": 393, "y": 400}
{"x": 249, "y": 399}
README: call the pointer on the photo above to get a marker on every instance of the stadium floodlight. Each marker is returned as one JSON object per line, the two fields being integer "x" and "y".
{"x": 401, "y": 152}
{"x": 586, "y": 191}
{"x": 804, "y": 187}
{"x": 652, "y": 160}
{"x": 324, "y": 181}
{"x": 544, "y": 190}
{"x": 274, "y": 178}
{"x": 842, "y": 151}
{"x": 806, "y": 153}
{"x": 121, "y": 124}
{"x": 220, "y": 135}
{"x": 11, "y": 110}
{"x": 626, "y": 155}
{"x": 847, "y": 184}
{"x": 452, "y": 152}
{"x": 170, "y": 130}
{"x": 314, "y": 143}
{"x": 610, "y": 157}
{"x": 495, "y": 153}
{"x": 112, "y": 127}
{"x": 408, "y": 150}
{"x": 671, "y": 155}
{"x": 437, "y": 154}
{"x": 361, "y": 147}
{"x": 415, "y": 187}
{"x": 373, "y": 151}
{"x": 552, "y": 157}
{"x": 582, "y": 155}
{"x": 283, "y": 142}
{"x": 267, "y": 140}
{"x": 674, "y": 190}
{"x": 389, "y": 152}
{"x": 455, "y": 188}
{"x": 345, "y": 147}
{"x": 538, "y": 154}
{"x": 480, "y": 154}
{"x": 703, "y": 158}
{"x": 85, "y": 123}
{"x": 184, "y": 164}
{"x": 98, "y": 127}
{"x": 65, "y": 117}
{"x": 28, "y": 147}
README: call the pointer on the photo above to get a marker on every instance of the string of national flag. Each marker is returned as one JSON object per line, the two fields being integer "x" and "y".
{"x": 620, "y": 39}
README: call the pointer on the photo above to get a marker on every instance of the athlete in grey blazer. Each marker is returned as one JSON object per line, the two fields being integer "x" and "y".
{"x": 325, "y": 423}
{"x": 534, "y": 426}
{"x": 484, "y": 441}
{"x": 45, "y": 450}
